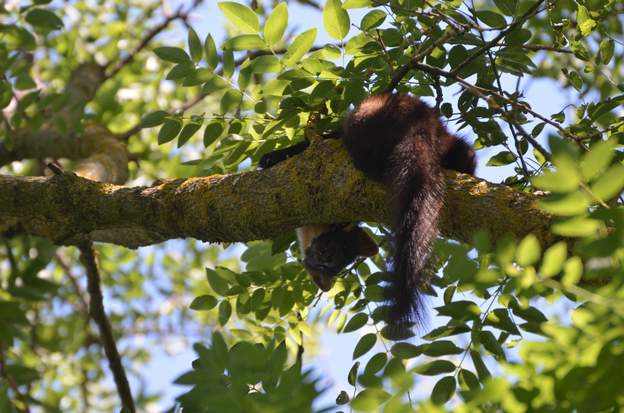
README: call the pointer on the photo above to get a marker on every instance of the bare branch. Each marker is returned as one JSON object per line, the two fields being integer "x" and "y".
{"x": 248, "y": 206}
{"x": 149, "y": 36}
{"x": 96, "y": 310}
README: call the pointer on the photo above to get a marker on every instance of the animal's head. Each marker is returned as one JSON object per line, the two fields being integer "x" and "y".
{"x": 333, "y": 250}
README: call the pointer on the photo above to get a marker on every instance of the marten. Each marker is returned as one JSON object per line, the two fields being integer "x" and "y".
{"x": 398, "y": 140}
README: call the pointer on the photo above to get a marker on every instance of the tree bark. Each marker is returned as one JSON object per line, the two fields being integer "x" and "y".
{"x": 318, "y": 186}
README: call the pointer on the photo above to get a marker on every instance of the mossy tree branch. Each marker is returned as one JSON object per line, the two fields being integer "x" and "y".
{"x": 318, "y": 186}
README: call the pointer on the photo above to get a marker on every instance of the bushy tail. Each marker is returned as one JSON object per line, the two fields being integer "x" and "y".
{"x": 418, "y": 187}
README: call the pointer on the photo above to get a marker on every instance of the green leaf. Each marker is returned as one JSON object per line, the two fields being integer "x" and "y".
{"x": 213, "y": 131}
{"x": 195, "y": 46}
{"x": 482, "y": 370}
{"x": 44, "y": 19}
{"x": 356, "y": 322}
{"x": 336, "y": 19}
{"x": 198, "y": 76}
{"x": 446, "y": 331}
{"x": 245, "y": 42}
{"x": 576, "y": 227}
{"x": 343, "y": 398}
{"x": 373, "y": 19}
{"x": 369, "y": 399}
{"x": 228, "y": 63}
{"x": 554, "y": 258}
{"x": 441, "y": 348}
{"x": 225, "y": 311}
{"x": 299, "y": 47}
{"x": 10, "y": 311}
{"x": 406, "y": 350}
{"x": 528, "y": 251}
{"x": 490, "y": 343}
{"x": 357, "y": 4}
{"x": 572, "y": 271}
{"x": 500, "y": 319}
{"x": 467, "y": 380}
{"x": 530, "y": 314}
{"x": 230, "y": 100}
{"x": 181, "y": 70}
{"x": 172, "y": 54}
{"x": 241, "y": 16}
{"x": 364, "y": 345}
{"x": 352, "y": 376}
{"x": 604, "y": 107}
{"x": 204, "y": 303}
{"x": 610, "y": 184}
{"x": 187, "y": 132}
{"x": 565, "y": 204}
{"x": 153, "y": 119}
{"x": 276, "y": 24}
{"x": 607, "y": 48}
{"x": 169, "y": 131}
{"x": 597, "y": 159}
{"x": 561, "y": 180}
{"x": 585, "y": 22}
{"x": 508, "y": 7}
{"x": 376, "y": 363}
{"x": 443, "y": 390}
{"x": 210, "y": 48}
{"x": 575, "y": 79}
{"x": 491, "y": 18}
{"x": 448, "y": 294}
{"x": 435, "y": 367}
{"x": 217, "y": 283}
{"x": 501, "y": 159}
{"x": 460, "y": 310}
{"x": 266, "y": 64}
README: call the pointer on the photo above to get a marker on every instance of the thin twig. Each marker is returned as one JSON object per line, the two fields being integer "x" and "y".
{"x": 84, "y": 306}
{"x": 540, "y": 47}
{"x": 96, "y": 310}
{"x": 484, "y": 93}
{"x": 499, "y": 86}
{"x": 180, "y": 14}
{"x": 403, "y": 70}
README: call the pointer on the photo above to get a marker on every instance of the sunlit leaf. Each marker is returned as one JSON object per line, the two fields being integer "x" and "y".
{"x": 299, "y": 47}
{"x": 244, "y": 42}
{"x": 276, "y": 24}
{"x": 212, "y": 58}
{"x": 528, "y": 250}
{"x": 241, "y": 16}
{"x": 610, "y": 184}
{"x": 195, "y": 45}
{"x": 336, "y": 19}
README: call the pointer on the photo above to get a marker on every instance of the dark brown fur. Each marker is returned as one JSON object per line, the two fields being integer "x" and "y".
{"x": 399, "y": 140}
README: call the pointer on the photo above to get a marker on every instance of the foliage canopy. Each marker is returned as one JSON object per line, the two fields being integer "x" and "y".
{"x": 518, "y": 325}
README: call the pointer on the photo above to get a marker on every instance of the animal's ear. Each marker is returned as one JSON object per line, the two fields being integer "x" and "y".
{"x": 364, "y": 244}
